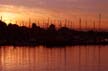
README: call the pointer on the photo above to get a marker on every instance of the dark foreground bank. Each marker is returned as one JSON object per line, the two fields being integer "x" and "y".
{"x": 13, "y": 34}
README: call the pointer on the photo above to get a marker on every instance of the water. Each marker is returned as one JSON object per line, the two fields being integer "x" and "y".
{"x": 72, "y": 58}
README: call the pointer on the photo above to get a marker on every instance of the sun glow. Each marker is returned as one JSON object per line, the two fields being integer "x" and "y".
{"x": 8, "y": 17}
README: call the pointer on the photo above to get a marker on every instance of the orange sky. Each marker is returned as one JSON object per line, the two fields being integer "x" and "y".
{"x": 21, "y": 11}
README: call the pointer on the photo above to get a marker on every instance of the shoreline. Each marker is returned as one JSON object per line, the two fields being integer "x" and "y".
{"x": 50, "y": 44}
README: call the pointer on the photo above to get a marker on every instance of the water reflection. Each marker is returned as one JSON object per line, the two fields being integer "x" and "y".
{"x": 75, "y": 58}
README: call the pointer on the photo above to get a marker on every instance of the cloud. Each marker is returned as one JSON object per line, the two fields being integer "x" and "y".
{"x": 27, "y": 11}
{"x": 57, "y": 7}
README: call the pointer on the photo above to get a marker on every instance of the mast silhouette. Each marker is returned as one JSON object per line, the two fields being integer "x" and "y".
{"x": 86, "y": 27}
{"x": 43, "y": 24}
{"x": 29, "y": 22}
{"x": 1, "y": 18}
{"x": 48, "y": 22}
{"x": 60, "y": 24}
{"x": 65, "y": 23}
{"x": 99, "y": 22}
{"x": 72, "y": 24}
{"x": 80, "y": 21}
{"x": 16, "y": 22}
{"x": 94, "y": 25}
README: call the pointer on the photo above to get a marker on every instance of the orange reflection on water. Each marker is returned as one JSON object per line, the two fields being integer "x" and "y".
{"x": 77, "y": 58}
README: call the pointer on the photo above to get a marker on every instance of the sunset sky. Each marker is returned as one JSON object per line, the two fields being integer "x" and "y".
{"x": 22, "y": 10}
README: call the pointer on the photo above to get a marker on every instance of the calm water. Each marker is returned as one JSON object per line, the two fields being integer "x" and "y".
{"x": 75, "y": 58}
